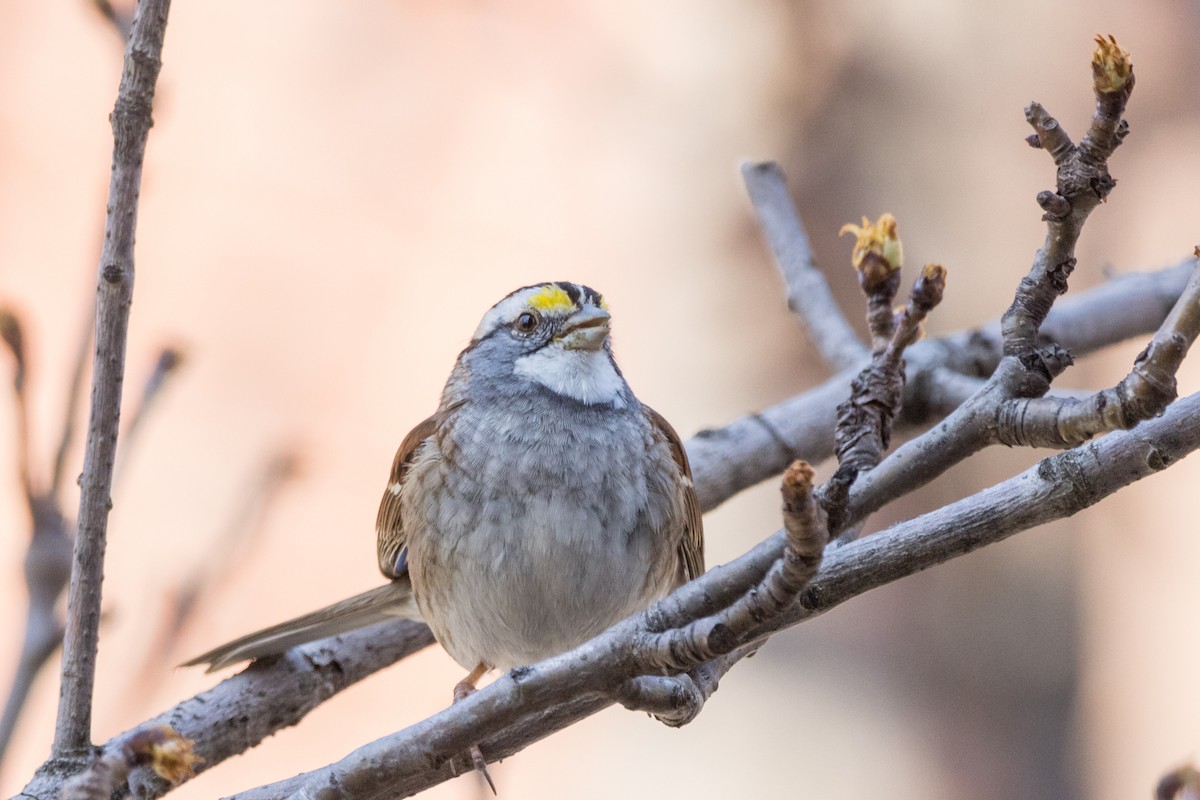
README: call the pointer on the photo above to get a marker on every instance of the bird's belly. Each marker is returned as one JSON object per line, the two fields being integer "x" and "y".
{"x": 519, "y": 579}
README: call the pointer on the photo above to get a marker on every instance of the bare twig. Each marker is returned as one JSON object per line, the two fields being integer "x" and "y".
{"x": 120, "y": 19}
{"x": 47, "y": 570}
{"x": 808, "y": 293}
{"x": 166, "y": 364}
{"x": 688, "y": 646}
{"x": 48, "y": 558}
{"x": 14, "y": 338}
{"x": 71, "y": 406}
{"x": 864, "y": 420}
{"x": 1083, "y": 183}
{"x": 131, "y": 122}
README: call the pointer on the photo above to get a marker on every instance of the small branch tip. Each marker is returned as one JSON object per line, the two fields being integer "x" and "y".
{"x": 876, "y": 242}
{"x": 1112, "y": 69}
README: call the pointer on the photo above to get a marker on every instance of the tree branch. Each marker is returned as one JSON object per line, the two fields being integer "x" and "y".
{"x": 531, "y": 703}
{"x": 131, "y": 123}
{"x": 808, "y": 293}
{"x": 1144, "y": 393}
{"x": 1028, "y": 368}
{"x": 754, "y": 448}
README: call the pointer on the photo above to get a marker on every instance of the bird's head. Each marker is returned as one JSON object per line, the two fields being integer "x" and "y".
{"x": 550, "y": 335}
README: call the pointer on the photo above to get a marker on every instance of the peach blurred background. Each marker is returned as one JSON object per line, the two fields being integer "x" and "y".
{"x": 336, "y": 191}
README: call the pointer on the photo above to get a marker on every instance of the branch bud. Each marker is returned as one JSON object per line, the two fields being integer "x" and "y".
{"x": 875, "y": 241}
{"x": 1111, "y": 68}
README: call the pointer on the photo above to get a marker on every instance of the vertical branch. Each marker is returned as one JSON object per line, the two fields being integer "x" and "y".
{"x": 131, "y": 123}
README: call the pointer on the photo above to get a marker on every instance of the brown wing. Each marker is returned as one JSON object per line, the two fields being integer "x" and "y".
{"x": 389, "y": 532}
{"x": 691, "y": 548}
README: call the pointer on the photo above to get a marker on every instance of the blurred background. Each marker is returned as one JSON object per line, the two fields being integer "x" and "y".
{"x": 336, "y": 191}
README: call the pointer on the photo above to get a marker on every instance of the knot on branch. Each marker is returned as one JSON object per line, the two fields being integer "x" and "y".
{"x": 1041, "y": 367}
{"x": 1055, "y": 205}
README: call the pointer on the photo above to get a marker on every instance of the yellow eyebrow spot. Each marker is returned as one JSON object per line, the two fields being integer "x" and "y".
{"x": 551, "y": 298}
{"x": 603, "y": 303}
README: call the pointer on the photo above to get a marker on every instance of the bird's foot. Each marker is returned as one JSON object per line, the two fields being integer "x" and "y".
{"x": 462, "y": 690}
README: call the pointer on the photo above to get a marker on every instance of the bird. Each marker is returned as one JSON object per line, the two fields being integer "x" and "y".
{"x": 540, "y": 504}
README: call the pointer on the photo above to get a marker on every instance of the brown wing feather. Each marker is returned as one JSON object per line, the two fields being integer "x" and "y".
{"x": 388, "y": 528}
{"x": 691, "y": 548}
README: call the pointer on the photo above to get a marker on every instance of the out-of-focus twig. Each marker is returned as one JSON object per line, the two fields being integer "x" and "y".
{"x": 48, "y": 559}
{"x": 120, "y": 18}
{"x": 14, "y": 337}
{"x": 71, "y": 407}
{"x": 808, "y": 293}
{"x": 165, "y": 365}
{"x": 1181, "y": 783}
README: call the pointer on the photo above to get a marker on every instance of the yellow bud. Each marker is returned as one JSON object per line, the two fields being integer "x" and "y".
{"x": 170, "y": 755}
{"x": 879, "y": 239}
{"x": 1111, "y": 67}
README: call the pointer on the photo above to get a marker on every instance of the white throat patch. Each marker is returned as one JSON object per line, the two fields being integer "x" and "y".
{"x": 584, "y": 375}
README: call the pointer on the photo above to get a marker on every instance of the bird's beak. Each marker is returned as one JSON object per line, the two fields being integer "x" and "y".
{"x": 586, "y": 329}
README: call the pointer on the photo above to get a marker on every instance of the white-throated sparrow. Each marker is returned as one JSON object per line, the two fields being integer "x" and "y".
{"x": 539, "y": 505}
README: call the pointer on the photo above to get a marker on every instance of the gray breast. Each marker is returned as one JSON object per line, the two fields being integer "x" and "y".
{"x": 531, "y": 532}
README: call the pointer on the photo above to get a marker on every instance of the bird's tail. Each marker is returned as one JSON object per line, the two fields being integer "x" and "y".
{"x": 376, "y": 605}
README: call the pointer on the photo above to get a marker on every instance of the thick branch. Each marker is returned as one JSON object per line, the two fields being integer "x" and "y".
{"x": 131, "y": 126}
{"x": 271, "y": 694}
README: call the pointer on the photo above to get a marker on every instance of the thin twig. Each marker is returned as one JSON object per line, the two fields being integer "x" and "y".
{"x": 14, "y": 337}
{"x": 71, "y": 407}
{"x": 166, "y": 364}
{"x": 864, "y": 423}
{"x": 120, "y": 19}
{"x": 48, "y": 557}
{"x": 131, "y": 123}
{"x": 1083, "y": 182}
{"x": 808, "y": 293}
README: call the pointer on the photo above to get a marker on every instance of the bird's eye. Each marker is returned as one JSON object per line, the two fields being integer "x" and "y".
{"x": 527, "y": 322}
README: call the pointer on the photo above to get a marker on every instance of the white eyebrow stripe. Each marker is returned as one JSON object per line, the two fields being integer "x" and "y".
{"x": 504, "y": 310}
